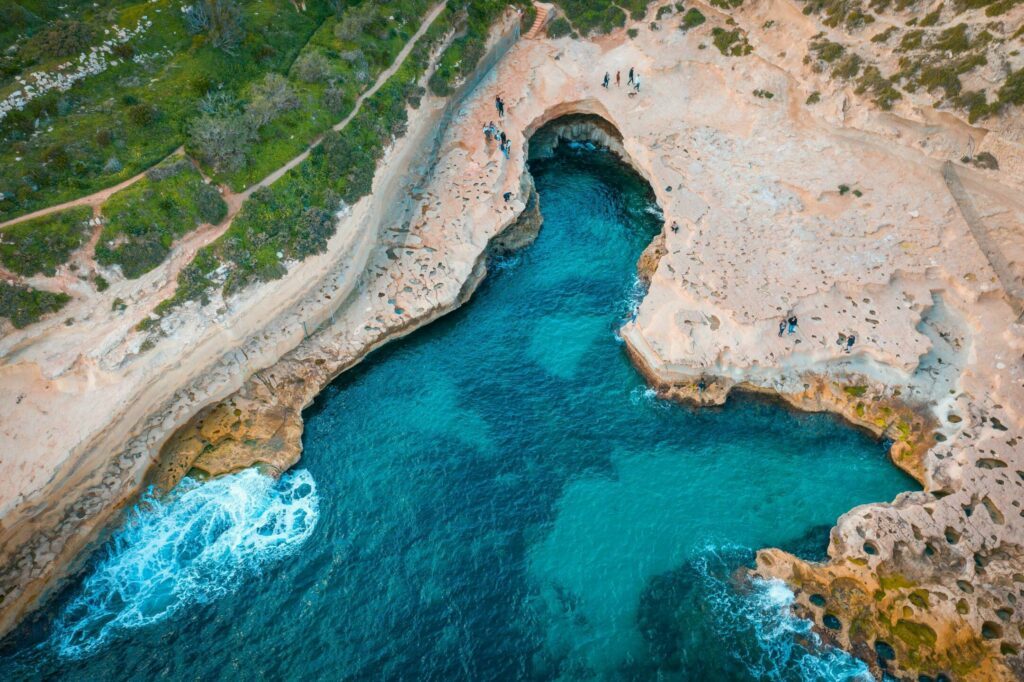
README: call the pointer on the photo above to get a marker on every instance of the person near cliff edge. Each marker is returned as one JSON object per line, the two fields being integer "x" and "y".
{"x": 503, "y": 138}
{"x": 489, "y": 131}
{"x": 782, "y": 326}
{"x": 618, "y": 78}
{"x": 607, "y": 80}
{"x": 850, "y": 340}
{"x": 792, "y": 324}
{"x": 506, "y": 147}
{"x": 630, "y": 80}
{"x": 499, "y": 105}
{"x": 636, "y": 83}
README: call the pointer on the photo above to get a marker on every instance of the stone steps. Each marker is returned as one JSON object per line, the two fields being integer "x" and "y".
{"x": 543, "y": 12}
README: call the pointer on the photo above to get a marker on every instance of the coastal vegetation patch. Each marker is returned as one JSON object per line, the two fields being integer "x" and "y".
{"x": 295, "y": 217}
{"x": 936, "y": 51}
{"x": 38, "y": 246}
{"x": 142, "y": 221}
{"x": 24, "y": 305}
{"x": 246, "y": 84}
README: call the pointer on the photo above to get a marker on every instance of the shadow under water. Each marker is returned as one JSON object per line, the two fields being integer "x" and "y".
{"x": 498, "y": 496}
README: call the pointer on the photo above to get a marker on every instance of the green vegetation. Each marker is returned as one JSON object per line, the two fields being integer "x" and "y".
{"x": 294, "y": 217}
{"x": 726, "y": 4}
{"x": 885, "y": 94}
{"x": 283, "y": 76}
{"x": 853, "y": 391}
{"x": 143, "y": 220}
{"x": 23, "y": 305}
{"x": 559, "y": 28}
{"x": 692, "y": 19}
{"x": 465, "y": 51}
{"x": 814, "y": 98}
{"x": 595, "y": 17}
{"x": 40, "y": 245}
{"x": 884, "y": 36}
{"x": 113, "y": 124}
{"x": 827, "y": 51}
{"x": 731, "y": 43}
{"x": 764, "y": 94}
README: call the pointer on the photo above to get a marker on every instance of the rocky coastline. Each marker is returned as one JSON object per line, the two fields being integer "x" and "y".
{"x": 757, "y": 227}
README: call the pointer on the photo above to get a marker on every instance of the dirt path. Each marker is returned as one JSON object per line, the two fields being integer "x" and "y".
{"x": 236, "y": 199}
{"x": 94, "y": 200}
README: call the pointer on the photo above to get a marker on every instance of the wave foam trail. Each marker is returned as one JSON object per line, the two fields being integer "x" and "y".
{"x": 190, "y": 547}
{"x": 785, "y": 646}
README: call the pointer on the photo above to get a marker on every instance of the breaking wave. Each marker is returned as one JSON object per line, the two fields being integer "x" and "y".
{"x": 190, "y": 547}
{"x": 783, "y": 646}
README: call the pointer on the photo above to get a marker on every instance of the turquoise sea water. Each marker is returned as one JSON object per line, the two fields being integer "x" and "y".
{"x": 497, "y": 497}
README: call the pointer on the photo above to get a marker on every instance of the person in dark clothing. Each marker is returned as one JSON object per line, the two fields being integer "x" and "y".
{"x": 630, "y": 80}
{"x": 607, "y": 80}
{"x": 503, "y": 138}
{"x": 499, "y": 104}
{"x": 507, "y": 196}
{"x": 792, "y": 323}
{"x": 618, "y": 78}
{"x": 850, "y": 340}
{"x": 782, "y": 327}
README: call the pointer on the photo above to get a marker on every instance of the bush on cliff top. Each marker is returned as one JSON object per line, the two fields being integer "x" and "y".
{"x": 40, "y": 245}
{"x": 23, "y": 305}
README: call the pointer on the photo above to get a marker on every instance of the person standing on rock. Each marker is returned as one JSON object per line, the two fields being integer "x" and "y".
{"x": 499, "y": 105}
{"x": 504, "y": 138}
{"x": 782, "y": 326}
{"x": 618, "y": 78}
{"x": 792, "y": 324}
{"x": 630, "y": 81}
{"x": 636, "y": 83}
{"x": 506, "y": 147}
{"x": 850, "y": 340}
{"x": 488, "y": 132}
{"x": 607, "y": 80}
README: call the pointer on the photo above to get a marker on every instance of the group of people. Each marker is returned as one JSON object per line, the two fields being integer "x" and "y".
{"x": 789, "y": 324}
{"x": 633, "y": 80}
{"x": 492, "y": 132}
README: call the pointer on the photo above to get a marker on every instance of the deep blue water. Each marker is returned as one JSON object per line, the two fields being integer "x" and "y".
{"x": 496, "y": 497}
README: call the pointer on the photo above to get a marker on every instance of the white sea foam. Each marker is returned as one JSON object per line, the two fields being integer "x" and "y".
{"x": 787, "y": 646}
{"x": 191, "y": 547}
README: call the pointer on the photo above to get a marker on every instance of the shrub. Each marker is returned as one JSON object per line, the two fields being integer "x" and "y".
{"x": 311, "y": 67}
{"x": 63, "y": 38}
{"x": 144, "y": 220}
{"x": 814, "y": 97}
{"x": 40, "y": 245}
{"x": 101, "y": 283}
{"x": 336, "y": 99}
{"x": 210, "y": 205}
{"x": 692, "y": 19}
{"x": 270, "y": 97}
{"x": 142, "y": 114}
{"x": 730, "y": 43}
{"x": 23, "y": 306}
{"x": 559, "y": 27}
{"x": 221, "y": 141}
